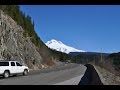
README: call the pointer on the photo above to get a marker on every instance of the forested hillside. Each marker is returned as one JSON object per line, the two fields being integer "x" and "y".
{"x": 23, "y": 43}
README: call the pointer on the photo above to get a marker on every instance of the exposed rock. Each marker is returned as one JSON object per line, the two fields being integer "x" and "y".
{"x": 14, "y": 46}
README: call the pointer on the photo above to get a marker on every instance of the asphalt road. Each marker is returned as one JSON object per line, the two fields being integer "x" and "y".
{"x": 63, "y": 75}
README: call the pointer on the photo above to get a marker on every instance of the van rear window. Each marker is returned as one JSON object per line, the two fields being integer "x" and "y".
{"x": 4, "y": 63}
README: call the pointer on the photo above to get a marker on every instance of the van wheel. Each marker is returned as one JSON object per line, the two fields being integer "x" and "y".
{"x": 25, "y": 72}
{"x": 6, "y": 74}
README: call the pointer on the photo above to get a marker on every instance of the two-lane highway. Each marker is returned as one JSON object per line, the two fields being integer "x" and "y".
{"x": 71, "y": 75}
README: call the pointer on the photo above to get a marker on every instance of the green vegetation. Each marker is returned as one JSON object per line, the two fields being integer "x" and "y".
{"x": 63, "y": 57}
{"x": 110, "y": 62}
{"x": 23, "y": 20}
{"x": 27, "y": 24}
{"x": 116, "y": 60}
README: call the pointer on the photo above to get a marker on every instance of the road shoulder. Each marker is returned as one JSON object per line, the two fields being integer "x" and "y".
{"x": 106, "y": 77}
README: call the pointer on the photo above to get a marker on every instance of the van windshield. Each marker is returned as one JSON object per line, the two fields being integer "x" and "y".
{"x": 4, "y": 63}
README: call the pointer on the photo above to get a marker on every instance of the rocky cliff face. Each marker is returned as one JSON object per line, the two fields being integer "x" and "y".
{"x": 14, "y": 46}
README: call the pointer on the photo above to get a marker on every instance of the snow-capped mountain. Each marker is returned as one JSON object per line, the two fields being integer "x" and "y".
{"x": 59, "y": 46}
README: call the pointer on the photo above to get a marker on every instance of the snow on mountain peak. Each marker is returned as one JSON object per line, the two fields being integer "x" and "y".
{"x": 59, "y": 46}
{"x": 53, "y": 41}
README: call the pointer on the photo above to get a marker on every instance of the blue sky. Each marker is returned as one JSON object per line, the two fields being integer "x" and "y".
{"x": 94, "y": 28}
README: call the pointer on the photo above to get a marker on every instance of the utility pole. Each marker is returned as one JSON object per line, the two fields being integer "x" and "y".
{"x": 101, "y": 56}
{"x": 94, "y": 60}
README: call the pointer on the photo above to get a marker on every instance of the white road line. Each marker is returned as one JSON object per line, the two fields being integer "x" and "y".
{"x": 73, "y": 81}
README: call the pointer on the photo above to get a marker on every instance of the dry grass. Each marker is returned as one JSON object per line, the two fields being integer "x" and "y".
{"x": 108, "y": 77}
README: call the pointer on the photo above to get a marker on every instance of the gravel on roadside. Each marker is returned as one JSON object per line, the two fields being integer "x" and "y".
{"x": 107, "y": 77}
{"x": 60, "y": 66}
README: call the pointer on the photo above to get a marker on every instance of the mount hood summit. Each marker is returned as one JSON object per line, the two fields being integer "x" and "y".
{"x": 59, "y": 46}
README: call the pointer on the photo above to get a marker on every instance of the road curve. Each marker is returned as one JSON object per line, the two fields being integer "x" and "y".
{"x": 90, "y": 77}
{"x": 48, "y": 77}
